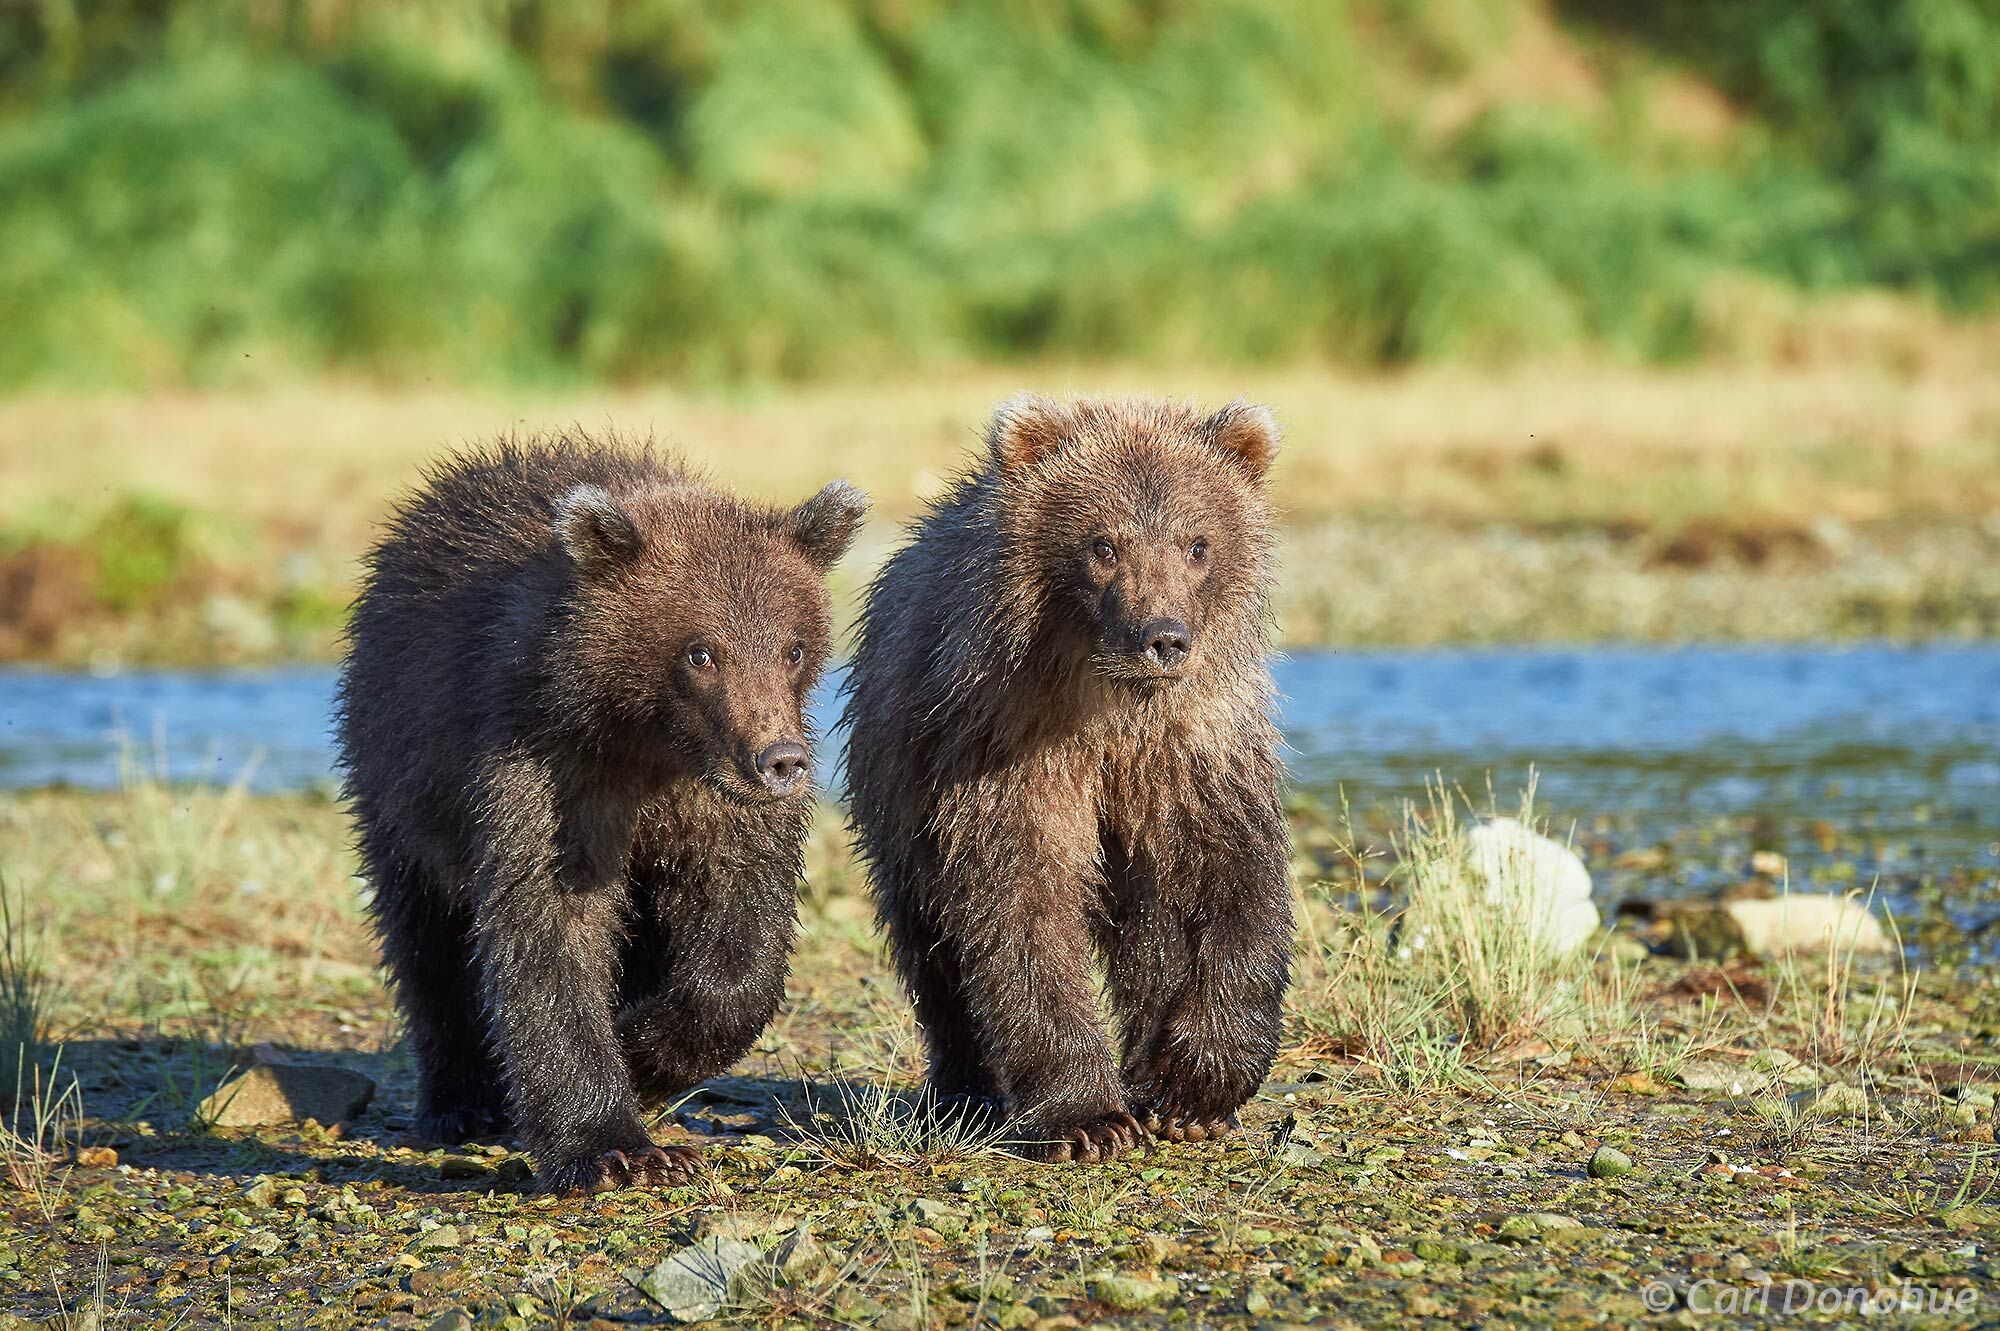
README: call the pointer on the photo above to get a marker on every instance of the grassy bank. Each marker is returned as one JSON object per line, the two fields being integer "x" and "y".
{"x": 1851, "y": 494}
{"x": 1420, "y": 1156}
{"x": 237, "y": 192}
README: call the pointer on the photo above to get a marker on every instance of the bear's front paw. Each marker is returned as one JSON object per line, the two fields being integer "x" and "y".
{"x": 1179, "y": 1127}
{"x": 1085, "y": 1141}
{"x": 459, "y": 1123}
{"x": 649, "y": 1166}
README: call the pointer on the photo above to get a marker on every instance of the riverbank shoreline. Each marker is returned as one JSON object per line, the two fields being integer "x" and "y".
{"x": 1835, "y": 500}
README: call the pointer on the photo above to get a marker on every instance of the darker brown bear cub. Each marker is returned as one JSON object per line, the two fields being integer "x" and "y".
{"x": 1062, "y": 745}
{"x": 572, "y": 725}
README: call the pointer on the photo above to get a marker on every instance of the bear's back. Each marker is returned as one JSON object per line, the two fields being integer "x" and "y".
{"x": 449, "y": 629}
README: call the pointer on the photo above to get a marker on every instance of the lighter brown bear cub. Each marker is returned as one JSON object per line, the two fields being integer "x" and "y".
{"x": 1062, "y": 749}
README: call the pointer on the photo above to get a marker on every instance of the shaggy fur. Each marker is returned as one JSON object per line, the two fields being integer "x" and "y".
{"x": 572, "y": 725}
{"x": 1062, "y": 749}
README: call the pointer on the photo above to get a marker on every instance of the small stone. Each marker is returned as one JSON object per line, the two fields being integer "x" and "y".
{"x": 96, "y": 1157}
{"x": 1933, "y": 1262}
{"x": 269, "y": 1094}
{"x": 261, "y": 1192}
{"x": 263, "y": 1243}
{"x": 948, "y": 1220}
{"x": 1257, "y": 1303}
{"x": 798, "y": 1252}
{"x": 1127, "y": 1293}
{"x": 1533, "y": 1224}
{"x": 995, "y": 1288}
{"x": 451, "y": 1319}
{"x": 1447, "y": 1251}
{"x": 1834, "y": 1100}
{"x": 454, "y": 1167}
{"x": 439, "y": 1239}
{"x": 1607, "y": 1162}
{"x": 695, "y": 1283}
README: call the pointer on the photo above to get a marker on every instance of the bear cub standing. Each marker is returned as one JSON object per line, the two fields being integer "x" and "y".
{"x": 572, "y": 724}
{"x": 1062, "y": 746}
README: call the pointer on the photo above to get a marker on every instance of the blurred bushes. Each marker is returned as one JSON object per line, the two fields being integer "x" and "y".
{"x": 624, "y": 188}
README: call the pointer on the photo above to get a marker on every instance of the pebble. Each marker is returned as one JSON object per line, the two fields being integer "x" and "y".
{"x": 1608, "y": 1162}
{"x": 1128, "y": 1293}
{"x": 695, "y": 1283}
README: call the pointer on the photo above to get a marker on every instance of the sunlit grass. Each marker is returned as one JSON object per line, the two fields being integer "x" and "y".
{"x": 1576, "y": 501}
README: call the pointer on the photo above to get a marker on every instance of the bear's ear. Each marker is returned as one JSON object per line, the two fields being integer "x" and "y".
{"x": 595, "y": 529}
{"x": 824, "y": 525}
{"x": 1026, "y": 427}
{"x": 1248, "y": 433}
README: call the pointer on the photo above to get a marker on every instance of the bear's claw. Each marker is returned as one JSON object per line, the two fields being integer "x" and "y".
{"x": 652, "y": 1167}
{"x": 1094, "y": 1141}
{"x": 1187, "y": 1128}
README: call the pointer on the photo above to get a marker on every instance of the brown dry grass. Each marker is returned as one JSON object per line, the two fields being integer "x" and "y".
{"x": 1853, "y": 437}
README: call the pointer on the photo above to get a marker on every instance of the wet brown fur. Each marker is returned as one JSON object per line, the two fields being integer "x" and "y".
{"x": 585, "y": 888}
{"x": 1032, "y": 792}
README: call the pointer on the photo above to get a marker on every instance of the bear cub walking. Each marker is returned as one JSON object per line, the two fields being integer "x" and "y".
{"x": 1062, "y": 749}
{"x": 572, "y": 725}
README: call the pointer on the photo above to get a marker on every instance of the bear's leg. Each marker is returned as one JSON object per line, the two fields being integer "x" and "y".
{"x": 1015, "y": 898}
{"x": 427, "y": 948}
{"x": 704, "y": 971}
{"x": 548, "y": 974}
{"x": 1198, "y": 970}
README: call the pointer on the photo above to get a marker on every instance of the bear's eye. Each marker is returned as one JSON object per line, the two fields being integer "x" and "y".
{"x": 700, "y": 658}
{"x": 1198, "y": 551}
{"x": 797, "y": 654}
{"x": 1106, "y": 552}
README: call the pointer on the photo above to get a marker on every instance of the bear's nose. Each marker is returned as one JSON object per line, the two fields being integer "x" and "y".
{"x": 1165, "y": 642}
{"x": 782, "y": 765}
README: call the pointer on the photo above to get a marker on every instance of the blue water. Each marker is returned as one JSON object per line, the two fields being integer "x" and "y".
{"x": 1712, "y": 750}
{"x": 1684, "y": 732}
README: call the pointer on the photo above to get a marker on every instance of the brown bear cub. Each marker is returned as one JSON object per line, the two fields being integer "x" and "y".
{"x": 573, "y": 731}
{"x": 1062, "y": 746}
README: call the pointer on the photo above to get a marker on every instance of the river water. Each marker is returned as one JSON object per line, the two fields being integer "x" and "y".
{"x": 1771, "y": 744}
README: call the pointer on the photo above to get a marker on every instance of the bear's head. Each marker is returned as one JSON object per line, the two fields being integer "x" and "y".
{"x": 1139, "y": 529}
{"x": 698, "y": 625}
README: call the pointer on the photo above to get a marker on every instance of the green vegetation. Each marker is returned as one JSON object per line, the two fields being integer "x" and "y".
{"x": 216, "y": 193}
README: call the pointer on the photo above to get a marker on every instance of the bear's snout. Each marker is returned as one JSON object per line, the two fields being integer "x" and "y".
{"x": 1165, "y": 642}
{"x": 782, "y": 766}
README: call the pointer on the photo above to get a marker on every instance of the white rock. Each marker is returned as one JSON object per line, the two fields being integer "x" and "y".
{"x": 1807, "y": 922}
{"x": 1544, "y": 881}
{"x": 696, "y": 1283}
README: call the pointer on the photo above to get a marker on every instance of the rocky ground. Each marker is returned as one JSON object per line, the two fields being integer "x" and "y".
{"x": 1739, "y": 1138}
